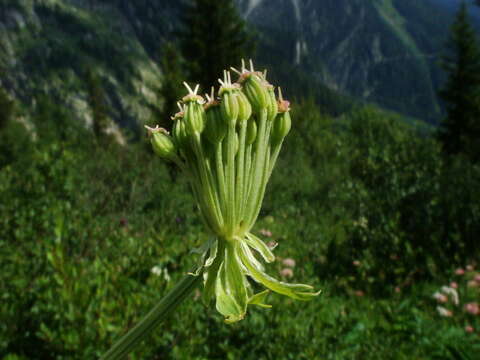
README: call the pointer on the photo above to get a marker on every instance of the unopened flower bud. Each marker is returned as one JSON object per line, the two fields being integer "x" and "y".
{"x": 251, "y": 132}
{"x": 229, "y": 94}
{"x": 215, "y": 127}
{"x": 272, "y": 106}
{"x": 162, "y": 143}
{"x": 235, "y": 147}
{"x": 194, "y": 116}
{"x": 281, "y": 127}
{"x": 179, "y": 134}
{"x": 255, "y": 89}
{"x": 244, "y": 107}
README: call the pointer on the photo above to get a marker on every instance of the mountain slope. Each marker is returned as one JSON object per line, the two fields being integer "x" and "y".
{"x": 384, "y": 51}
{"x": 49, "y": 45}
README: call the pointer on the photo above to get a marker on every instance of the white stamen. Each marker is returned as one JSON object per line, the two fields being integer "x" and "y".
{"x": 235, "y": 70}
{"x": 251, "y": 65}
{"x": 150, "y": 129}
{"x": 190, "y": 91}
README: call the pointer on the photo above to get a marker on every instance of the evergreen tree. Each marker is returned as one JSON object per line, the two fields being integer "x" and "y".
{"x": 213, "y": 38}
{"x": 171, "y": 89}
{"x": 97, "y": 101}
{"x": 6, "y": 109}
{"x": 460, "y": 130}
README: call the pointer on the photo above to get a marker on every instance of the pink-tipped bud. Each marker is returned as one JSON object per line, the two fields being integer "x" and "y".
{"x": 272, "y": 105}
{"x": 281, "y": 127}
{"x": 162, "y": 143}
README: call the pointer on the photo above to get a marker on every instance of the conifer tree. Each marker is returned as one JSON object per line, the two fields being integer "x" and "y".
{"x": 214, "y": 37}
{"x": 171, "y": 89}
{"x": 460, "y": 130}
{"x": 98, "y": 104}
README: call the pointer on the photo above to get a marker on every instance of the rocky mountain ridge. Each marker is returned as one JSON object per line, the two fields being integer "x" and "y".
{"x": 381, "y": 51}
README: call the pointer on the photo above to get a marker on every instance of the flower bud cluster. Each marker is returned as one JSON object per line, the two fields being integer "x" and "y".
{"x": 228, "y": 145}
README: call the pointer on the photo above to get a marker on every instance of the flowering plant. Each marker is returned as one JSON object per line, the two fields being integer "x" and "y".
{"x": 227, "y": 145}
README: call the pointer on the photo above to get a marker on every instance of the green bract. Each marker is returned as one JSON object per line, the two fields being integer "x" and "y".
{"x": 228, "y": 147}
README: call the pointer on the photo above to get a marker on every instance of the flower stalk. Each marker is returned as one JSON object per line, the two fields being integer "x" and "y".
{"x": 161, "y": 311}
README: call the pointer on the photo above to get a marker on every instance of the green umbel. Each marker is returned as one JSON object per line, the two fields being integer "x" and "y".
{"x": 228, "y": 147}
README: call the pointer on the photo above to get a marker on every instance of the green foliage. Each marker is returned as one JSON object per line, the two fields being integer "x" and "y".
{"x": 98, "y": 103}
{"x": 6, "y": 109}
{"x": 460, "y": 130}
{"x": 92, "y": 238}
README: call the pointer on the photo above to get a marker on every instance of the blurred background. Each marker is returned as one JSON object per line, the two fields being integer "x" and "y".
{"x": 375, "y": 198}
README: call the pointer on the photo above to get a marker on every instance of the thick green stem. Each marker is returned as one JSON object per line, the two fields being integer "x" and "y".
{"x": 258, "y": 202}
{"x": 240, "y": 174}
{"x": 274, "y": 157}
{"x": 221, "y": 177}
{"x": 208, "y": 187}
{"x": 165, "y": 307}
{"x": 230, "y": 174}
{"x": 246, "y": 180}
{"x": 202, "y": 199}
{"x": 259, "y": 163}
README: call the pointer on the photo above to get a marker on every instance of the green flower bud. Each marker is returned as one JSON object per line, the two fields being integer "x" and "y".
{"x": 194, "y": 116}
{"x": 229, "y": 94}
{"x": 282, "y": 123}
{"x": 251, "y": 132}
{"x": 179, "y": 134}
{"x": 245, "y": 109}
{"x": 225, "y": 146}
{"x": 162, "y": 143}
{"x": 215, "y": 127}
{"x": 272, "y": 107}
{"x": 255, "y": 89}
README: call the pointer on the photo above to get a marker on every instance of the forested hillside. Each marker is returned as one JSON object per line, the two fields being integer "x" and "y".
{"x": 371, "y": 51}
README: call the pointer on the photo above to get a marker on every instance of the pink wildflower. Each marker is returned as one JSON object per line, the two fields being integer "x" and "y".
{"x": 459, "y": 271}
{"x": 398, "y": 290}
{"x": 356, "y": 263}
{"x": 266, "y": 232}
{"x": 444, "y": 312}
{"x": 289, "y": 262}
{"x": 286, "y": 273}
{"x": 470, "y": 267}
{"x": 472, "y": 308}
{"x": 477, "y": 278}
{"x": 272, "y": 244}
{"x": 359, "y": 293}
{"x": 441, "y": 298}
{"x": 469, "y": 329}
{"x": 454, "y": 285}
{"x": 472, "y": 284}
{"x": 452, "y": 293}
